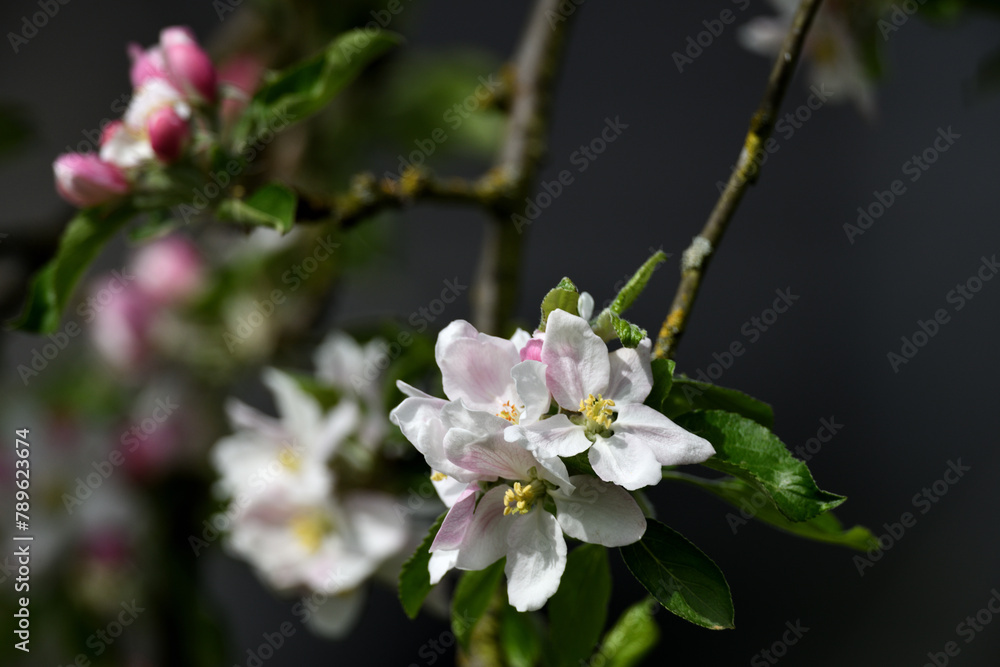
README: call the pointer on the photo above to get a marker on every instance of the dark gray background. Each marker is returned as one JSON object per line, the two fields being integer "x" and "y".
{"x": 653, "y": 187}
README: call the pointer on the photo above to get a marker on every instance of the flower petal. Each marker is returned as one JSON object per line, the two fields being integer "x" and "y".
{"x": 536, "y": 559}
{"x": 449, "y": 489}
{"x": 456, "y": 522}
{"x": 529, "y": 381}
{"x": 670, "y": 444}
{"x": 420, "y": 421}
{"x": 476, "y": 370}
{"x": 628, "y": 464}
{"x": 599, "y": 512}
{"x": 576, "y": 357}
{"x": 299, "y": 411}
{"x": 441, "y": 563}
{"x": 631, "y": 377}
{"x": 486, "y": 536}
{"x": 555, "y": 436}
{"x": 475, "y": 443}
{"x": 339, "y": 423}
{"x": 337, "y": 614}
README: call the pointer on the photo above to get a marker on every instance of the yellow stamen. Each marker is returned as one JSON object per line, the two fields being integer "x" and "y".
{"x": 289, "y": 457}
{"x": 520, "y": 499}
{"x": 597, "y": 410}
{"x": 438, "y": 476}
{"x": 310, "y": 529}
{"x": 510, "y": 413}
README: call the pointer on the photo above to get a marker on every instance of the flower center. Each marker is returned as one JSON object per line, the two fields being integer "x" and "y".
{"x": 521, "y": 499}
{"x": 310, "y": 529}
{"x": 510, "y": 413}
{"x": 597, "y": 411}
{"x": 289, "y": 457}
{"x": 438, "y": 476}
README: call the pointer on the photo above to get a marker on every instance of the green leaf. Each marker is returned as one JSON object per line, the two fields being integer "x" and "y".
{"x": 749, "y": 451}
{"x": 271, "y": 206}
{"x": 520, "y": 637}
{"x": 680, "y": 576}
{"x": 663, "y": 380}
{"x": 414, "y": 578}
{"x": 579, "y": 608}
{"x": 51, "y": 288}
{"x": 563, "y": 296}
{"x": 632, "y": 637}
{"x": 633, "y": 288}
{"x": 753, "y": 504}
{"x": 608, "y": 326}
{"x": 471, "y": 599}
{"x": 687, "y": 395}
{"x": 300, "y": 91}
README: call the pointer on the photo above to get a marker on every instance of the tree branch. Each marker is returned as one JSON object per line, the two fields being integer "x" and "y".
{"x": 697, "y": 256}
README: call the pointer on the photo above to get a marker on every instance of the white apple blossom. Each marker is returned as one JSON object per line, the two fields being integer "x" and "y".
{"x": 601, "y": 396}
{"x": 835, "y": 55}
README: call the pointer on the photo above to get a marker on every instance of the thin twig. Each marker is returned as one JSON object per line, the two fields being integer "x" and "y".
{"x": 697, "y": 256}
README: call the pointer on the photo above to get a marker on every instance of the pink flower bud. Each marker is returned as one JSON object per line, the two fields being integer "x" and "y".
{"x": 122, "y": 325}
{"x": 242, "y": 74}
{"x": 169, "y": 271}
{"x": 168, "y": 133}
{"x": 83, "y": 179}
{"x": 532, "y": 351}
{"x": 146, "y": 64}
{"x": 187, "y": 64}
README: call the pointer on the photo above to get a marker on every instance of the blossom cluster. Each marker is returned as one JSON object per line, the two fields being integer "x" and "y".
{"x": 539, "y": 436}
{"x": 296, "y": 517}
{"x": 176, "y": 92}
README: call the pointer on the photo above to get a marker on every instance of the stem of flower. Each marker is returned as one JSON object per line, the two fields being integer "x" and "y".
{"x": 697, "y": 256}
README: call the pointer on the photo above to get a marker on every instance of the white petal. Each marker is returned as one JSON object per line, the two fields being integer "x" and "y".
{"x": 576, "y": 357}
{"x": 338, "y": 359}
{"x": 536, "y": 559}
{"x": 585, "y": 305}
{"x": 420, "y": 421}
{"x": 762, "y": 35}
{"x": 529, "y": 382}
{"x": 243, "y": 417}
{"x": 520, "y": 338}
{"x": 336, "y": 426}
{"x": 379, "y": 530}
{"x": 300, "y": 412}
{"x": 555, "y": 436}
{"x": 413, "y": 392}
{"x": 477, "y": 371}
{"x": 337, "y": 615}
{"x": 631, "y": 465}
{"x": 475, "y": 443}
{"x": 669, "y": 443}
{"x": 599, "y": 512}
{"x": 486, "y": 537}
{"x": 441, "y": 563}
{"x": 449, "y": 489}
{"x": 631, "y": 377}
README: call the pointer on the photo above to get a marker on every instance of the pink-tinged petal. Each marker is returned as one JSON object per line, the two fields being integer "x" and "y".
{"x": 577, "y": 360}
{"x": 669, "y": 443}
{"x": 189, "y": 66}
{"x": 520, "y": 338}
{"x": 239, "y": 78}
{"x": 456, "y": 522}
{"x": 168, "y": 134}
{"x": 477, "y": 371}
{"x": 420, "y": 421}
{"x": 599, "y": 513}
{"x": 555, "y": 436}
{"x": 413, "y": 392}
{"x": 487, "y": 456}
{"x": 532, "y": 350}
{"x": 84, "y": 179}
{"x": 631, "y": 377}
{"x": 146, "y": 64}
{"x": 441, "y": 563}
{"x": 529, "y": 382}
{"x": 486, "y": 536}
{"x": 169, "y": 270}
{"x": 536, "y": 559}
{"x": 110, "y": 130}
{"x": 628, "y": 464}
